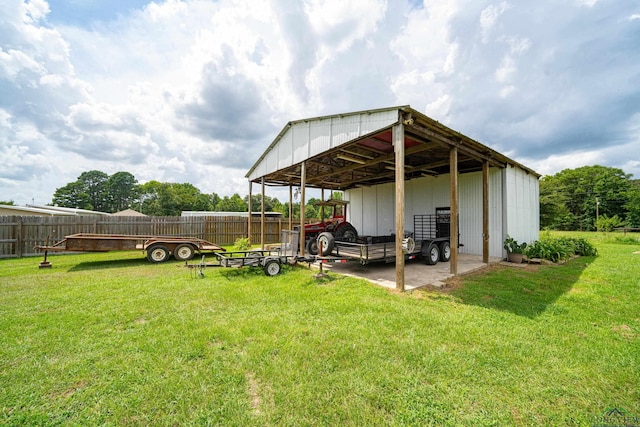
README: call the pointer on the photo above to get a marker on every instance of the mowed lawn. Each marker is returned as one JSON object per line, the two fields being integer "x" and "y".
{"x": 110, "y": 339}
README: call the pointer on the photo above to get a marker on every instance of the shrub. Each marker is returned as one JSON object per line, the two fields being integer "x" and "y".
{"x": 607, "y": 224}
{"x": 242, "y": 244}
{"x": 559, "y": 248}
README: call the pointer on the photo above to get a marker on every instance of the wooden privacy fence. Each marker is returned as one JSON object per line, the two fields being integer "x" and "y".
{"x": 20, "y": 234}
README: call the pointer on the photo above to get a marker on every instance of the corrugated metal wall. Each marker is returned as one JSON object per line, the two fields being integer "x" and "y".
{"x": 372, "y": 209}
{"x": 522, "y": 210}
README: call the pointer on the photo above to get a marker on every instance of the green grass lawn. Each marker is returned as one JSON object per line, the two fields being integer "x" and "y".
{"x": 110, "y": 339}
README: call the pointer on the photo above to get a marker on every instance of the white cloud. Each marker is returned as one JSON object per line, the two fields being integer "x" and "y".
{"x": 194, "y": 90}
{"x": 489, "y": 17}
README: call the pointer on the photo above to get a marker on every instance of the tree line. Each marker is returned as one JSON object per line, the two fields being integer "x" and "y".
{"x": 586, "y": 198}
{"x": 589, "y": 198}
{"x": 96, "y": 190}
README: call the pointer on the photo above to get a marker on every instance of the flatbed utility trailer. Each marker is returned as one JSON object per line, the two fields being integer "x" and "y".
{"x": 157, "y": 248}
{"x": 270, "y": 260}
{"x": 429, "y": 239}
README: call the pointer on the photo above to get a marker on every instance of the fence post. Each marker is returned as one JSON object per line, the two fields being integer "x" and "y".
{"x": 19, "y": 240}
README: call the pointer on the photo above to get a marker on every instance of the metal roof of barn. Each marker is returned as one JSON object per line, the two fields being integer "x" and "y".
{"x": 355, "y": 149}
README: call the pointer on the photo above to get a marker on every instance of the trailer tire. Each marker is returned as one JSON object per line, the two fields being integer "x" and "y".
{"x": 184, "y": 252}
{"x": 445, "y": 251}
{"x": 433, "y": 254}
{"x": 346, "y": 233}
{"x": 326, "y": 243}
{"x": 272, "y": 267}
{"x": 157, "y": 253}
{"x": 312, "y": 246}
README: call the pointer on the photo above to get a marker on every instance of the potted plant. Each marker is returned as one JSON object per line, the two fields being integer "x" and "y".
{"x": 514, "y": 249}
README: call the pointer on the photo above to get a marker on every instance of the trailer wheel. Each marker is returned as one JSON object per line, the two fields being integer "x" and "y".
{"x": 312, "y": 246}
{"x": 445, "y": 251}
{"x": 157, "y": 253}
{"x": 272, "y": 268}
{"x": 183, "y": 252}
{"x": 433, "y": 254}
{"x": 326, "y": 243}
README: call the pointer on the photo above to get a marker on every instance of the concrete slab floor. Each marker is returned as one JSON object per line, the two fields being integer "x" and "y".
{"x": 416, "y": 273}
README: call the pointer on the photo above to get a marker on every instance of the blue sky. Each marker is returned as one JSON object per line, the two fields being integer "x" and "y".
{"x": 86, "y": 12}
{"x": 195, "y": 90}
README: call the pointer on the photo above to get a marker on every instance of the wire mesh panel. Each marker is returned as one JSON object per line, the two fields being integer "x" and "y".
{"x": 289, "y": 241}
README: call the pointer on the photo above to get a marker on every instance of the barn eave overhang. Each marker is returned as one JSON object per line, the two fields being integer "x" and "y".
{"x": 369, "y": 160}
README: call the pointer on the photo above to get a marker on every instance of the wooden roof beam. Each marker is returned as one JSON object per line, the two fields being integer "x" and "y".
{"x": 373, "y": 162}
{"x": 436, "y": 137}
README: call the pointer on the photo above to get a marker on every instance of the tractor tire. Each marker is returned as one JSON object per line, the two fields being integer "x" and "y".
{"x": 326, "y": 243}
{"x": 312, "y": 246}
{"x": 346, "y": 233}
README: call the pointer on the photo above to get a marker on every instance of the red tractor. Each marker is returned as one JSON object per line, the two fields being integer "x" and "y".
{"x": 326, "y": 232}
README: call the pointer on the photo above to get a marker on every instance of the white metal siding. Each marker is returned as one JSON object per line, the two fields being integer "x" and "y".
{"x": 300, "y": 135}
{"x": 386, "y": 209}
{"x": 470, "y": 218}
{"x": 285, "y": 151}
{"x": 372, "y": 209}
{"x": 495, "y": 212}
{"x": 369, "y": 225}
{"x": 306, "y": 139}
{"x": 320, "y": 134}
{"x": 522, "y": 207}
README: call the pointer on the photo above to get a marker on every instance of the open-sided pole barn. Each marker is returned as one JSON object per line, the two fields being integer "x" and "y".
{"x": 394, "y": 163}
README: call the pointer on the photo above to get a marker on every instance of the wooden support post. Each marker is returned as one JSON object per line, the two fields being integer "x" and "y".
{"x": 249, "y": 219}
{"x": 398, "y": 143}
{"x": 303, "y": 183}
{"x": 290, "y": 207}
{"x": 322, "y": 206}
{"x": 262, "y": 216}
{"x": 453, "y": 201}
{"x": 485, "y": 212}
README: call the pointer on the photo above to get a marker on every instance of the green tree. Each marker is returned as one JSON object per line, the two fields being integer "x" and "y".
{"x": 232, "y": 204}
{"x": 256, "y": 199}
{"x": 149, "y": 198}
{"x": 72, "y": 195}
{"x": 633, "y": 205}
{"x": 7, "y": 202}
{"x": 214, "y": 199}
{"x": 572, "y": 198}
{"x": 95, "y": 186}
{"x": 122, "y": 191}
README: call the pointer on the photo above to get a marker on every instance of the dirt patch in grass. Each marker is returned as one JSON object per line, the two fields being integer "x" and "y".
{"x": 71, "y": 390}
{"x": 257, "y": 394}
{"x": 625, "y": 331}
